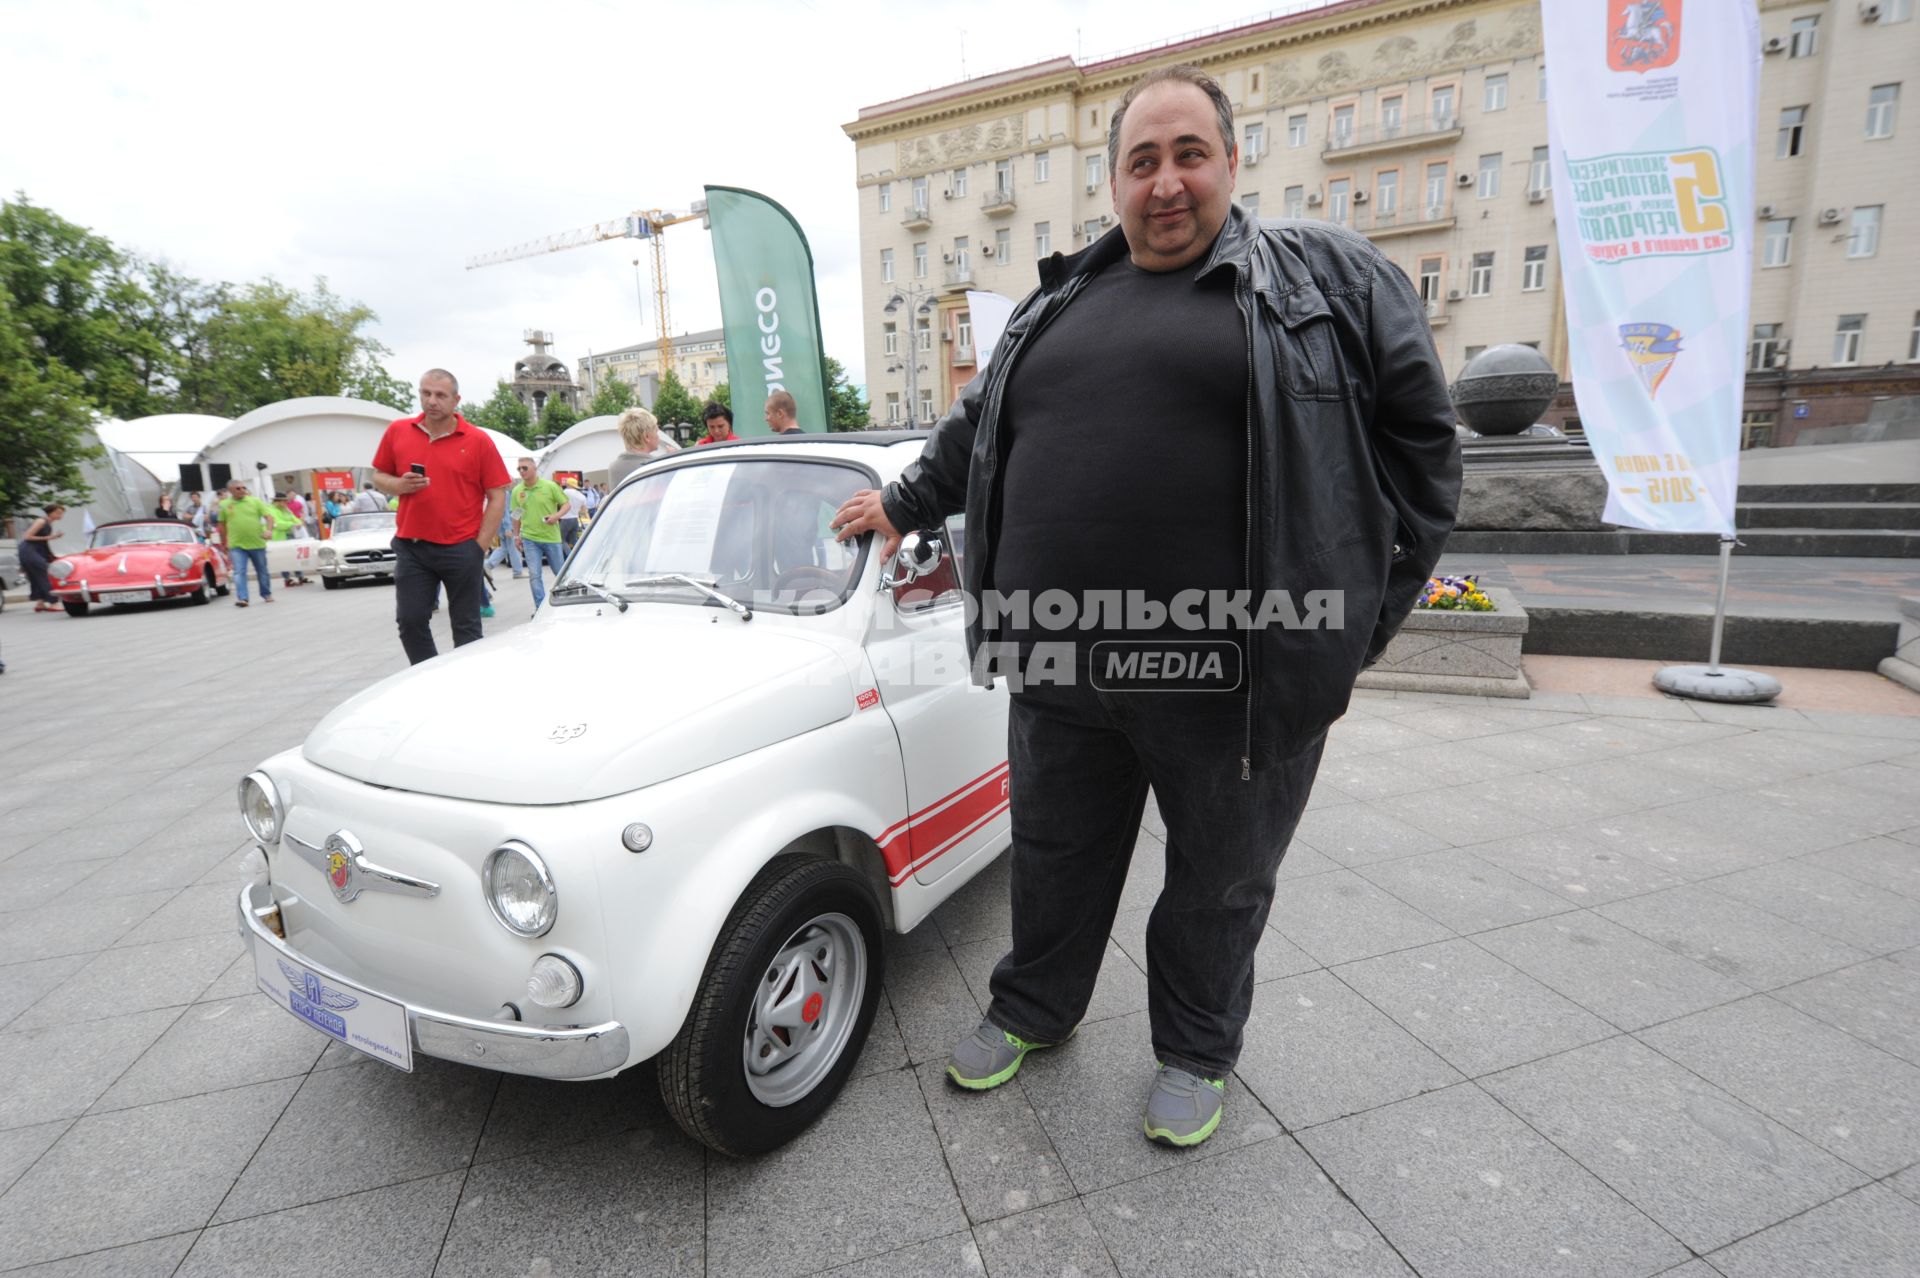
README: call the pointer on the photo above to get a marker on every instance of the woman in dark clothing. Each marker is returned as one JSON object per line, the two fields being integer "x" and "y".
{"x": 36, "y": 554}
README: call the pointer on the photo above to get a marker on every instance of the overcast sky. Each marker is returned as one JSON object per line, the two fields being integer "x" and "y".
{"x": 381, "y": 145}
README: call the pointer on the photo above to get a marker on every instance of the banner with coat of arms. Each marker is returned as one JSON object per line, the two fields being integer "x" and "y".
{"x": 1651, "y": 125}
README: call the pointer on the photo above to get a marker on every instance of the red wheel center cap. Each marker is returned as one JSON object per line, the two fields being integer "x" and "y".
{"x": 810, "y": 1011}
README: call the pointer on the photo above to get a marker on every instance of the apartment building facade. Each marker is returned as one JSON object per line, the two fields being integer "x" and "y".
{"x": 699, "y": 361}
{"x": 1422, "y": 124}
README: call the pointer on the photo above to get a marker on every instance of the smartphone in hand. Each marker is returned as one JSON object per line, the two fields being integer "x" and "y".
{"x": 418, "y": 469}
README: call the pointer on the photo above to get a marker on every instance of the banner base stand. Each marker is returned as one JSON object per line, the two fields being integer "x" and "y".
{"x": 1703, "y": 683}
{"x": 1713, "y": 682}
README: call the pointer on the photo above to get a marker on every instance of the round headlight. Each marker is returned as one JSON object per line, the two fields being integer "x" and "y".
{"x": 260, "y": 807}
{"x": 60, "y": 569}
{"x": 329, "y": 554}
{"x": 180, "y": 560}
{"x": 520, "y": 892}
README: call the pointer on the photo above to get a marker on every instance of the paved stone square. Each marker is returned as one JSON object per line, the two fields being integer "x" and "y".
{"x": 1570, "y": 986}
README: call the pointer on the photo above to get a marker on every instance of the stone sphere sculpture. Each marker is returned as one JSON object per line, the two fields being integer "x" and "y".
{"x": 1504, "y": 389}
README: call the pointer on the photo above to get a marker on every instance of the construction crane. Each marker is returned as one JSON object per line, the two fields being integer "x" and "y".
{"x": 641, "y": 224}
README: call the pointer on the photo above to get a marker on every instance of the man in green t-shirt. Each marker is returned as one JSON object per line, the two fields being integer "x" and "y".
{"x": 245, "y": 523}
{"x": 536, "y": 507}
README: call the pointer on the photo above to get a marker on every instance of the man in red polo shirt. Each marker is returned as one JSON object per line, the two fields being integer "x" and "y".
{"x": 452, "y": 488}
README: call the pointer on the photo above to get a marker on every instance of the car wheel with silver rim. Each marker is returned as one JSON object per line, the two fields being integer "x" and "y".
{"x": 782, "y": 1011}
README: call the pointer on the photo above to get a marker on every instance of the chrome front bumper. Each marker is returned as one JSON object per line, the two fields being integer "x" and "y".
{"x": 512, "y": 1048}
{"x": 383, "y": 568}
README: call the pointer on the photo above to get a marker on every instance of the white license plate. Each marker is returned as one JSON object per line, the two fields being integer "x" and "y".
{"x": 359, "y": 1018}
{"x": 127, "y": 596}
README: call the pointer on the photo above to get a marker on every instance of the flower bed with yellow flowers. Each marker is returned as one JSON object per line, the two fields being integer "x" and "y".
{"x": 1455, "y": 594}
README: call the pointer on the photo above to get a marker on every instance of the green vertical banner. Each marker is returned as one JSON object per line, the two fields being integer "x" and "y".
{"x": 767, "y": 307}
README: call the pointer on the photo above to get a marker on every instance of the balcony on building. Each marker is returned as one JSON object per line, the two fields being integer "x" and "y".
{"x": 959, "y": 274}
{"x": 1411, "y": 219}
{"x": 962, "y": 353}
{"x": 1436, "y": 312}
{"x": 1378, "y": 139}
{"x": 998, "y": 202}
{"x": 917, "y": 217}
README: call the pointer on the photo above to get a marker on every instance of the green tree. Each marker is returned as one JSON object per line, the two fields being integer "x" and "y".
{"x": 722, "y": 395}
{"x": 673, "y": 403}
{"x": 267, "y": 342}
{"x": 846, "y": 404}
{"x": 612, "y": 398}
{"x": 503, "y": 412}
{"x": 46, "y": 412}
{"x": 558, "y": 416}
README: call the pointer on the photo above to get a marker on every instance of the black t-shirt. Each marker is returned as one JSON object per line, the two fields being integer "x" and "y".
{"x": 1124, "y": 429}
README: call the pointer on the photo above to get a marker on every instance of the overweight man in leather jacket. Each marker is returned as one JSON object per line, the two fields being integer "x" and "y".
{"x": 1207, "y": 472}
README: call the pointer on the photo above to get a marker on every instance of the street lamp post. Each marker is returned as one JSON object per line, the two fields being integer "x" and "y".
{"x": 918, "y": 301}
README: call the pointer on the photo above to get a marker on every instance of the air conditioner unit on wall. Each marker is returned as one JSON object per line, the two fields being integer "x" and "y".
{"x": 1764, "y": 211}
{"x": 1251, "y": 158}
{"x": 1870, "y": 12}
{"x": 1313, "y": 199}
{"x": 1454, "y": 295}
{"x": 1777, "y": 44}
{"x": 1830, "y": 216}
{"x": 1463, "y": 179}
{"x": 1359, "y": 197}
{"x": 1536, "y": 196}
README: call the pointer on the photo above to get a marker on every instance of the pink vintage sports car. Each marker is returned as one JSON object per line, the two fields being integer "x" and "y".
{"x": 138, "y": 561}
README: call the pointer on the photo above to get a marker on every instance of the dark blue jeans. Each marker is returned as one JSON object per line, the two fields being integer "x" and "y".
{"x": 1082, "y": 761}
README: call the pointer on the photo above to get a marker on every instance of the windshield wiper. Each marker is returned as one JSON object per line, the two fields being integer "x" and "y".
{"x": 704, "y": 587}
{"x": 574, "y": 587}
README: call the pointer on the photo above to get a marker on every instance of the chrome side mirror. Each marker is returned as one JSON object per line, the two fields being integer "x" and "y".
{"x": 916, "y": 557}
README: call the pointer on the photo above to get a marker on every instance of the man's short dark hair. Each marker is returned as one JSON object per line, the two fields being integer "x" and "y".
{"x": 1181, "y": 74}
{"x": 443, "y": 375}
{"x": 715, "y": 409}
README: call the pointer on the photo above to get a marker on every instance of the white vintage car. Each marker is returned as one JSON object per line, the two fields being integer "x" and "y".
{"x": 755, "y": 751}
{"x": 357, "y": 545}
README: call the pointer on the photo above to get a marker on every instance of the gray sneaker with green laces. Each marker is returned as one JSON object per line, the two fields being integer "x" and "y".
{"x": 988, "y": 1057}
{"x": 1183, "y": 1109}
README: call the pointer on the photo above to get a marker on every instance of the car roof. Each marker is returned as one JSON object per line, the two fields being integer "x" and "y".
{"x": 877, "y": 438}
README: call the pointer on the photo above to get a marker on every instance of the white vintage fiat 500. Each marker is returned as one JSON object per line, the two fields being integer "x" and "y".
{"x": 741, "y": 751}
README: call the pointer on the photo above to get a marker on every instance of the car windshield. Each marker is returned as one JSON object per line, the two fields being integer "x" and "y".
{"x": 167, "y": 534}
{"x": 758, "y": 531}
{"x": 374, "y": 521}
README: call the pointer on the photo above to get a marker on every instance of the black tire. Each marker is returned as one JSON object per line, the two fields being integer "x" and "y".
{"x": 331, "y": 583}
{"x": 204, "y": 595}
{"x": 703, "y": 1076}
{"x": 76, "y": 607}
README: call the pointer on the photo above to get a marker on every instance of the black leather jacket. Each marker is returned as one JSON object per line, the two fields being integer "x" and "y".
{"x": 1353, "y": 470}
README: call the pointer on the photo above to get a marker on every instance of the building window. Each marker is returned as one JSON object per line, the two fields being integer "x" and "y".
{"x": 1386, "y": 192}
{"x": 963, "y": 329}
{"x": 893, "y": 406}
{"x": 1096, "y": 170}
{"x": 1533, "y": 271}
{"x": 1896, "y": 11}
{"x": 1339, "y": 196}
{"x": 920, "y": 195}
{"x": 1436, "y": 196}
{"x": 920, "y": 260}
{"x": 1793, "y": 124}
{"x": 1251, "y": 203}
{"x": 1756, "y": 428}
{"x": 1042, "y": 240}
{"x": 1803, "y": 37}
{"x": 1480, "y": 278}
{"x": 1496, "y": 99}
{"x": 926, "y": 405}
{"x": 1293, "y": 202}
{"x": 1003, "y": 178}
{"x": 957, "y": 185}
{"x": 1430, "y": 280}
{"x": 1256, "y": 144}
{"x": 886, "y": 197}
{"x": 962, "y": 257}
{"x": 1846, "y": 339}
{"x": 1443, "y": 107}
{"x": 1764, "y": 348}
{"x": 1090, "y": 230}
{"x": 1472, "y": 353}
{"x": 1392, "y": 116}
{"x": 1776, "y": 241}
{"x": 890, "y": 340}
{"x": 1042, "y": 165}
{"x": 1488, "y": 185}
{"x": 1540, "y": 172}
{"x": 923, "y": 335}
{"x": 886, "y": 266}
{"x": 1882, "y": 101}
{"x": 1863, "y": 239}
{"x": 1003, "y": 245}
{"x": 1343, "y": 125}
{"x": 1296, "y": 130}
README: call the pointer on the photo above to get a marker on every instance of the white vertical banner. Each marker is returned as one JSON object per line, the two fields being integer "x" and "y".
{"x": 990, "y": 312}
{"x": 1650, "y": 118}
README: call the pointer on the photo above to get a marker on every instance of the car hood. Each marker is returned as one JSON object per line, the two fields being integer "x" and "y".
{"x": 141, "y": 559}
{"x": 373, "y": 539}
{"x": 574, "y": 708}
